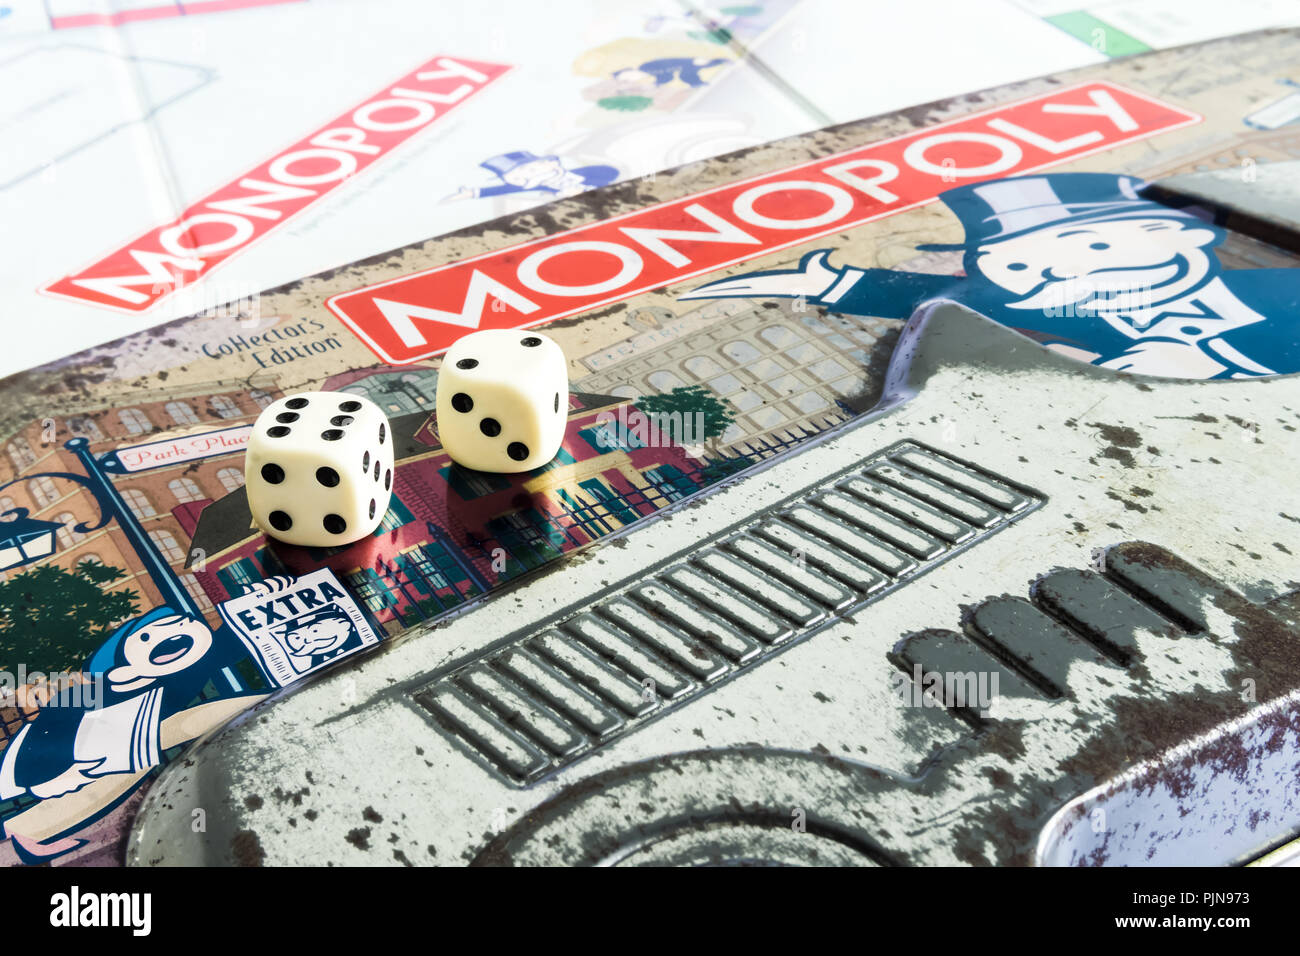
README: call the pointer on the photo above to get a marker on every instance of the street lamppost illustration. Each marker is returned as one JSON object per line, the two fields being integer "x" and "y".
{"x": 24, "y": 540}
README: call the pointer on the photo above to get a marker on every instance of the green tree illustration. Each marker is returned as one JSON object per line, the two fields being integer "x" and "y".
{"x": 51, "y": 619}
{"x": 691, "y": 400}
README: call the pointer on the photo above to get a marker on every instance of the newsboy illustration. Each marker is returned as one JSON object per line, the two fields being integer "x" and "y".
{"x": 79, "y": 760}
{"x": 1087, "y": 266}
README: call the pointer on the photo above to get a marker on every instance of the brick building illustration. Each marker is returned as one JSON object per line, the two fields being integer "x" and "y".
{"x": 163, "y": 499}
{"x": 783, "y": 369}
{"x": 451, "y": 533}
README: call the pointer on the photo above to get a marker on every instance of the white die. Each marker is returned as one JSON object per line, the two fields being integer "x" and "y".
{"x": 503, "y": 400}
{"x": 319, "y": 468}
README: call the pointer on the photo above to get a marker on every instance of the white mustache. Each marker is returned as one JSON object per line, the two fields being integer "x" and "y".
{"x": 1058, "y": 293}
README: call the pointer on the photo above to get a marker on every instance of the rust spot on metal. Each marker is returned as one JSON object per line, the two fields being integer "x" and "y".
{"x": 246, "y": 849}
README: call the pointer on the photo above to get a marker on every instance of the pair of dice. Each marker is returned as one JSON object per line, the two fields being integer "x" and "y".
{"x": 319, "y": 465}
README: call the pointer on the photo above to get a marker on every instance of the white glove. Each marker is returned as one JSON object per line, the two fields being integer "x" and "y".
{"x": 1177, "y": 359}
{"x": 811, "y": 279}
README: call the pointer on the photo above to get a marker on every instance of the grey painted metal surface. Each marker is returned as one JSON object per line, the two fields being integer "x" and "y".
{"x": 1262, "y": 200}
{"x": 657, "y": 643}
{"x": 766, "y": 675}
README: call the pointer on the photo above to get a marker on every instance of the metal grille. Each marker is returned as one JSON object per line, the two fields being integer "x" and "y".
{"x": 555, "y": 695}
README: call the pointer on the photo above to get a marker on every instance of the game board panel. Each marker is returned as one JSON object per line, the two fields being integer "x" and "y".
{"x": 156, "y": 111}
{"x": 130, "y": 453}
{"x": 815, "y": 34}
{"x": 193, "y": 105}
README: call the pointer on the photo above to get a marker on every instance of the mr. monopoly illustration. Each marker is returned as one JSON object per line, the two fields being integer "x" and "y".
{"x": 524, "y": 172}
{"x": 80, "y": 760}
{"x": 1087, "y": 266}
{"x": 317, "y": 638}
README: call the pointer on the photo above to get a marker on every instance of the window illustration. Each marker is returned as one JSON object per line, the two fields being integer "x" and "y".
{"x": 777, "y": 336}
{"x": 562, "y": 457}
{"x": 430, "y": 576}
{"x": 520, "y": 534}
{"x": 271, "y": 565}
{"x": 185, "y": 490}
{"x": 232, "y": 479}
{"x": 670, "y": 482}
{"x": 67, "y": 535}
{"x": 804, "y": 353}
{"x": 167, "y": 545}
{"x": 613, "y": 502}
{"x": 370, "y": 589}
{"x": 663, "y": 381}
{"x": 437, "y": 579}
{"x": 238, "y": 575}
{"x": 196, "y": 591}
{"x": 82, "y": 426}
{"x": 701, "y": 366}
{"x": 725, "y": 384}
{"x": 20, "y": 452}
{"x": 43, "y": 491}
{"x": 224, "y": 407}
{"x": 742, "y": 353}
{"x": 397, "y": 515}
{"x": 181, "y": 413}
{"x": 138, "y": 502}
{"x": 827, "y": 370}
{"x": 134, "y": 421}
{"x": 611, "y": 435}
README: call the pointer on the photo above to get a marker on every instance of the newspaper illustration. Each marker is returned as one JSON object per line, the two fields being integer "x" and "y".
{"x": 295, "y": 626}
{"x": 122, "y": 737}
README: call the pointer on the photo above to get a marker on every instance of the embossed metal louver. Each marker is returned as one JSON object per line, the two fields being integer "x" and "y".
{"x": 638, "y": 651}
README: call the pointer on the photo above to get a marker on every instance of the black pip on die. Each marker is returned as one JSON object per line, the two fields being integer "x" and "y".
{"x": 319, "y": 468}
{"x": 503, "y": 400}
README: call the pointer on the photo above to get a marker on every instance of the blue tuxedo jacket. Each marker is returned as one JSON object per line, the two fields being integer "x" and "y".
{"x": 1273, "y": 293}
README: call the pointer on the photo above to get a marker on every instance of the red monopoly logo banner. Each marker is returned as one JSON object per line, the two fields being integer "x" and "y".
{"x": 414, "y": 317}
{"x": 137, "y": 276}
